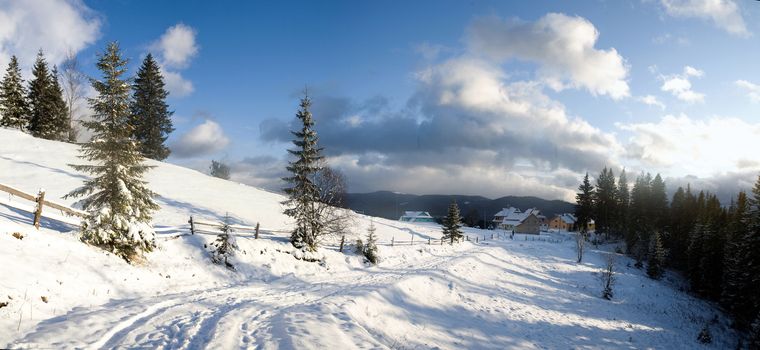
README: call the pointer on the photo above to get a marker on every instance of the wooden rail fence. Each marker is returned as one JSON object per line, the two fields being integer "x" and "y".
{"x": 40, "y": 201}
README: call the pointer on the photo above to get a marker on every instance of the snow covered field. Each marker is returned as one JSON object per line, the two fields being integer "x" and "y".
{"x": 496, "y": 294}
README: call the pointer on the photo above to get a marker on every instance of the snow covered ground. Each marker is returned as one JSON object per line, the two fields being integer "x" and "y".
{"x": 496, "y": 294}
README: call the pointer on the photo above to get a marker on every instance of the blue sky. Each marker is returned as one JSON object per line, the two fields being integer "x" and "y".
{"x": 472, "y": 97}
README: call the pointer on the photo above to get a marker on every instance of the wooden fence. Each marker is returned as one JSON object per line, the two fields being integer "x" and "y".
{"x": 40, "y": 202}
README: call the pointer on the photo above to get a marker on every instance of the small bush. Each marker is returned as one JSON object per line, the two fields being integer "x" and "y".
{"x": 18, "y": 235}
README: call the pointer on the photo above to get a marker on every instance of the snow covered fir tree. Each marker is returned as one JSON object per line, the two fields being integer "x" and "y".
{"x": 219, "y": 169}
{"x": 452, "y": 225}
{"x": 303, "y": 194}
{"x": 369, "y": 249}
{"x": 117, "y": 199}
{"x": 150, "y": 115}
{"x": 224, "y": 247}
{"x": 14, "y": 109}
{"x": 48, "y": 111}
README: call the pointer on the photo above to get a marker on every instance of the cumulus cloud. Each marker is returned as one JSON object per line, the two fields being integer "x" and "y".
{"x": 725, "y": 14}
{"x": 651, "y": 100}
{"x": 176, "y": 49}
{"x": 681, "y": 146}
{"x": 679, "y": 85}
{"x": 204, "y": 139}
{"x": 564, "y": 46}
{"x": 55, "y": 26}
{"x": 752, "y": 89}
{"x": 467, "y": 126}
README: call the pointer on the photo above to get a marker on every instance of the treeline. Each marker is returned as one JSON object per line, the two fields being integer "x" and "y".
{"x": 45, "y": 106}
{"x": 716, "y": 246}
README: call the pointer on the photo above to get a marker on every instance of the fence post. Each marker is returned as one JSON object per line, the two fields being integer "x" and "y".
{"x": 192, "y": 226}
{"x": 342, "y": 240}
{"x": 412, "y": 240}
{"x": 428, "y": 240}
{"x": 38, "y": 213}
{"x": 476, "y": 239}
{"x": 256, "y": 236}
{"x": 441, "y": 240}
{"x": 392, "y": 239}
{"x": 492, "y": 236}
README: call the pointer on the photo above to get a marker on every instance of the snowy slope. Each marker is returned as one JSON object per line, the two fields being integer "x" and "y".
{"x": 495, "y": 294}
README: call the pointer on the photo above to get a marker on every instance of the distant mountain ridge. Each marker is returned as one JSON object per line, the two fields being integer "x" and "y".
{"x": 391, "y": 205}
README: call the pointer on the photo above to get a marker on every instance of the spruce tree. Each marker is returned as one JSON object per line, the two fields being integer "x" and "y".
{"x": 735, "y": 259}
{"x": 370, "y": 249}
{"x": 605, "y": 202}
{"x": 219, "y": 169}
{"x": 118, "y": 201}
{"x": 655, "y": 257}
{"x": 59, "y": 117}
{"x": 151, "y": 117}
{"x": 754, "y": 333}
{"x": 623, "y": 196}
{"x": 584, "y": 208}
{"x": 41, "y": 105}
{"x": 303, "y": 194}
{"x": 452, "y": 226}
{"x": 224, "y": 246}
{"x": 658, "y": 204}
{"x": 14, "y": 110}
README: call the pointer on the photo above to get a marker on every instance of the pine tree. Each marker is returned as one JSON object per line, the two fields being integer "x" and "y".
{"x": 623, "y": 196}
{"x": 754, "y": 333}
{"x": 13, "y": 105}
{"x": 370, "y": 249}
{"x": 605, "y": 202}
{"x": 655, "y": 257}
{"x": 303, "y": 195}
{"x": 585, "y": 204}
{"x": 41, "y": 104}
{"x": 224, "y": 246}
{"x": 658, "y": 204}
{"x": 118, "y": 201}
{"x": 220, "y": 170}
{"x": 640, "y": 225}
{"x": 734, "y": 260}
{"x": 452, "y": 226}
{"x": 151, "y": 117}
{"x": 59, "y": 117}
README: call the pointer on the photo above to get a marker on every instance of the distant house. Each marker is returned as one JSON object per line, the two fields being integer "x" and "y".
{"x": 513, "y": 219}
{"x": 563, "y": 222}
{"x": 416, "y": 216}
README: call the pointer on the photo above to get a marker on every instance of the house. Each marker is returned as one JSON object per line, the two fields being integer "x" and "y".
{"x": 563, "y": 222}
{"x": 416, "y": 216}
{"x": 513, "y": 219}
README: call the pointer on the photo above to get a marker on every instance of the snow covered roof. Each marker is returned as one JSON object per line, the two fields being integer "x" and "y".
{"x": 417, "y": 214}
{"x": 568, "y": 218}
{"x": 514, "y": 216}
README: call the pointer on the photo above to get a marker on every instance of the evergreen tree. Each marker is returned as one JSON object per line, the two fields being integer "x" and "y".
{"x": 734, "y": 261}
{"x": 370, "y": 249}
{"x": 640, "y": 226}
{"x": 303, "y": 195}
{"x": 655, "y": 257}
{"x": 59, "y": 118}
{"x": 754, "y": 334}
{"x": 118, "y": 201}
{"x": 220, "y": 170}
{"x": 747, "y": 305}
{"x": 151, "y": 117}
{"x": 585, "y": 204}
{"x": 605, "y": 202}
{"x": 41, "y": 104}
{"x": 14, "y": 110}
{"x": 680, "y": 226}
{"x": 452, "y": 227}
{"x": 224, "y": 246}
{"x": 711, "y": 257}
{"x": 623, "y": 196}
{"x": 658, "y": 204}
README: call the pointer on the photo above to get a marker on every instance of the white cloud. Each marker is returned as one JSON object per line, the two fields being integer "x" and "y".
{"x": 177, "y": 46}
{"x": 679, "y": 85}
{"x": 564, "y": 46}
{"x": 204, "y": 139}
{"x": 55, "y": 26}
{"x": 175, "y": 49}
{"x": 752, "y": 89}
{"x": 723, "y": 13}
{"x": 177, "y": 84}
{"x": 651, "y": 100}
{"x": 680, "y": 145}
